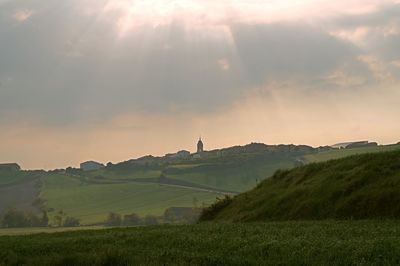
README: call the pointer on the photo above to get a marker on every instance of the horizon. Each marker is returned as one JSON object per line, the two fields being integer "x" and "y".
{"x": 105, "y": 162}
{"x": 112, "y": 80}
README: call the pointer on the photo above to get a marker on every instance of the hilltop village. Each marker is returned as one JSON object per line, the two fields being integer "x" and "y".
{"x": 201, "y": 153}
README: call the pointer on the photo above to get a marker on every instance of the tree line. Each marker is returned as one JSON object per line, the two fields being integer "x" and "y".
{"x": 14, "y": 218}
{"x": 171, "y": 216}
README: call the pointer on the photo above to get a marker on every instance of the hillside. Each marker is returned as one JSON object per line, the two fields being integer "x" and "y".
{"x": 236, "y": 169}
{"x": 19, "y": 189}
{"x": 359, "y": 186}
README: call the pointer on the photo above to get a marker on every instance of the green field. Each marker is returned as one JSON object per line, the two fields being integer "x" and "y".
{"x": 233, "y": 177}
{"x": 273, "y": 243}
{"x": 92, "y": 202}
{"x": 337, "y": 154}
{"x": 360, "y": 186}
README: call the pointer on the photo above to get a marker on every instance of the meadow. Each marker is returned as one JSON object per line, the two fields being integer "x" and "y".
{"x": 273, "y": 243}
{"x": 91, "y": 203}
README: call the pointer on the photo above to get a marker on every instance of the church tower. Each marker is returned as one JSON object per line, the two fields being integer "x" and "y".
{"x": 200, "y": 146}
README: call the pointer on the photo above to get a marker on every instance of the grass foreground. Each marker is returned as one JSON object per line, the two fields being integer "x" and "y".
{"x": 273, "y": 243}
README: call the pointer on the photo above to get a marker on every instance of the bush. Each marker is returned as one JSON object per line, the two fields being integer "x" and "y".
{"x": 113, "y": 219}
{"x": 132, "y": 219}
{"x": 71, "y": 222}
{"x": 14, "y": 218}
{"x": 150, "y": 220}
{"x": 210, "y": 212}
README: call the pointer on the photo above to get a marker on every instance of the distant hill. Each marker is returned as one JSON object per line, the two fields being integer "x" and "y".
{"x": 360, "y": 187}
{"x": 150, "y": 185}
{"x": 237, "y": 168}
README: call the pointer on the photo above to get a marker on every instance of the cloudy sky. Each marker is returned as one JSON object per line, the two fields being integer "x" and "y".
{"x": 111, "y": 80}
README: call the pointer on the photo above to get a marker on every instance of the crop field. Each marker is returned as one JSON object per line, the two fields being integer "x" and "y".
{"x": 273, "y": 243}
{"x": 92, "y": 202}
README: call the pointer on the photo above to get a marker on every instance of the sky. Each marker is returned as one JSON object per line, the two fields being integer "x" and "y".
{"x": 111, "y": 80}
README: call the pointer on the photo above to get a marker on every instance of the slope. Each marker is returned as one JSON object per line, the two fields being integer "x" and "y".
{"x": 19, "y": 189}
{"x": 359, "y": 186}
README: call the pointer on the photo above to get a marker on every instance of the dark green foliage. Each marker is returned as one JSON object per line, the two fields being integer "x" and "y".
{"x": 357, "y": 187}
{"x": 71, "y": 222}
{"x": 208, "y": 213}
{"x": 59, "y": 218}
{"x": 13, "y": 218}
{"x": 181, "y": 215}
{"x": 272, "y": 243}
{"x": 150, "y": 220}
{"x": 113, "y": 219}
{"x": 132, "y": 219}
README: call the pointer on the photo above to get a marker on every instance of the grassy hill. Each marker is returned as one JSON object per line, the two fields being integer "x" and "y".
{"x": 237, "y": 171}
{"x": 283, "y": 243}
{"x": 359, "y": 186}
{"x": 238, "y": 168}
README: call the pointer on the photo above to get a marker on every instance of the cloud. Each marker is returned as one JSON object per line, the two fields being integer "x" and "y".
{"x": 23, "y": 15}
{"x": 224, "y": 64}
{"x": 84, "y": 63}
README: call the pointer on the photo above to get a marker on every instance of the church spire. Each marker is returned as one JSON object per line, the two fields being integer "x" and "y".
{"x": 200, "y": 146}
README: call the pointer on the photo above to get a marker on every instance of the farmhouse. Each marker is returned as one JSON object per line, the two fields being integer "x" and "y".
{"x": 10, "y": 166}
{"x": 91, "y": 165}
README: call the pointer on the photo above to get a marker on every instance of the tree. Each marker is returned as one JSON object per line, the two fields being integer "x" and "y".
{"x": 195, "y": 201}
{"x": 32, "y": 220}
{"x": 14, "y": 218}
{"x": 59, "y": 218}
{"x": 132, "y": 219}
{"x": 45, "y": 219}
{"x": 71, "y": 222}
{"x": 113, "y": 219}
{"x": 150, "y": 220}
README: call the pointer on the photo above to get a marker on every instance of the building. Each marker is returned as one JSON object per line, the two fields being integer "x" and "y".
{"x": 183, "y": 154}
{"x": 354, "y": 144}
{"x": 179, "y": 155}
{"x": 10, "y": 166}
{"x": 200, "y": 146}
{"x": 91, "y": 165}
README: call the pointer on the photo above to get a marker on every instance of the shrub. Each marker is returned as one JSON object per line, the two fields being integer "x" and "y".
{"x": 132, "y": 219}
{"x": 113, "y": 219}
{"x": 150, "y": 220}
{"x": 71, "y": 222}
{"x": 210, "y": 212}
